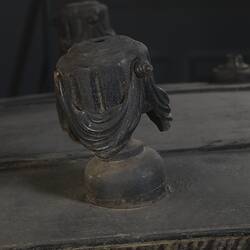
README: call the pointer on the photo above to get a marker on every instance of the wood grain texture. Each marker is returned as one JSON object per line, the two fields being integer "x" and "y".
{"x": 204, "y": 87}
{"x": 29, "y": 129}
{"x": 206, "y": 161}
{"x": 44, "y": 206}
{"x": 196, "y": 87}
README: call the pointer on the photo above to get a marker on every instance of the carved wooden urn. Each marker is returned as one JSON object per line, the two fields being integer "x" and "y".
{"x": 103, "y": 86}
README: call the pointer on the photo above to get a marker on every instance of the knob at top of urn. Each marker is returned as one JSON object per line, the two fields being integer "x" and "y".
{"x": 103, "y": 86}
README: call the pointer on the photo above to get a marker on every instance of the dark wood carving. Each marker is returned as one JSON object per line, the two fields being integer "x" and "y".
{"x": 103, "y": 86}
{"x": 82, "y": 21}
{"x": 235, "y": 70}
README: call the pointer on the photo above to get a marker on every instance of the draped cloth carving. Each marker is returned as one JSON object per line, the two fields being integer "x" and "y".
{"x": 101, "y": 113}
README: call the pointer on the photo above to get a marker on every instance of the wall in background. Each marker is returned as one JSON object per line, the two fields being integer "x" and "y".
{"x": 185, "y": 41}
{"x": 28, "y": 46}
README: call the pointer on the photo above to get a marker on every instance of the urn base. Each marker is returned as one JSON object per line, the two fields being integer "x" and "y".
{"x": 131, "y": 182}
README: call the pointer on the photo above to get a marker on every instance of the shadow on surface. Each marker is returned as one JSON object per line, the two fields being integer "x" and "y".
{"x": 58, "y": 180}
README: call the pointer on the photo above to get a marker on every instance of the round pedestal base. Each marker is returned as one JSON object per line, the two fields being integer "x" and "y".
{"x": 126, "y": 183}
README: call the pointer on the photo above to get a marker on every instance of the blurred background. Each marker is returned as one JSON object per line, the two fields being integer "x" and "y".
{"x": 186, "y": 42}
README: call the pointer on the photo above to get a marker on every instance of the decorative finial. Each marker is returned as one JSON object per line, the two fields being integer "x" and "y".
{"x": 143, "y": 69}
{"x": 103, "y": 86}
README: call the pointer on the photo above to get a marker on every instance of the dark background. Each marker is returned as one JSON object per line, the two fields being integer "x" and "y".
{"x": 186, "y": 42}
